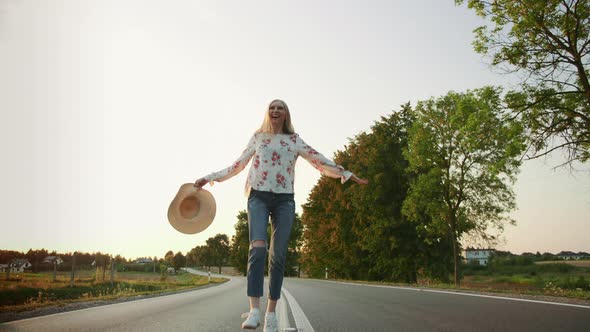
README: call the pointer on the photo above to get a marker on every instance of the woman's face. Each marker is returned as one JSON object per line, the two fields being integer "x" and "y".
{"x": 277, "y": 114}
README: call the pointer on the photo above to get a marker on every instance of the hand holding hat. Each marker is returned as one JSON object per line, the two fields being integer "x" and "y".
{"x": 193, "y": 209}
{"x": 200, "y": 183}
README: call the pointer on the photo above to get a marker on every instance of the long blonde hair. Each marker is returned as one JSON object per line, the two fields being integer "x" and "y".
{"x": 266, "y": 126}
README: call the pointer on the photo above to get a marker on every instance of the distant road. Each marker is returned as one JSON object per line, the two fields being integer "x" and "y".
{"x": 315, "y": 305}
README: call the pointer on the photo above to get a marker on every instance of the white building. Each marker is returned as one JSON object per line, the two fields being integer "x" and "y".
{"x": 19, "y": 265}
{"x": 53, "y": 260}
{"x": 482, "y": 256}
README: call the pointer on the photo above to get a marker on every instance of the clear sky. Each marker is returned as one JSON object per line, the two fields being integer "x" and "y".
{"x": 107, "y": 107}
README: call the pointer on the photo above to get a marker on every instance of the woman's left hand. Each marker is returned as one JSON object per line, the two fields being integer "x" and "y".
{"x": 359, "y": 181}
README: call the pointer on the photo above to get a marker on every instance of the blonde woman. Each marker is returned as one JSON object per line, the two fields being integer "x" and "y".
{"x": 274, "y": 148}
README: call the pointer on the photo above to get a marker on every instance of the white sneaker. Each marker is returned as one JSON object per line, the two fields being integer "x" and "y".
{"x": 253, "y": 319}
{"x": 270, "y": 322}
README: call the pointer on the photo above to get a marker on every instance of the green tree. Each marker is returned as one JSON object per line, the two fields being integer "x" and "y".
{"x": 548, "y": 41}
{"x": 292, "y": 264}
{"x": 178, "y": 261}
{"x": 218, "y": 249}
{"x": 36, "y": 257}
{"x": 240, "y": 244}
{"x": 169, "y": 258}
{"x": 359, "y": 232}
{"x": 464, "y": 158}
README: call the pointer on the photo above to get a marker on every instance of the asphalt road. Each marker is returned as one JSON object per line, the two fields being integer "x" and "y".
{"x": 331, "y": 306}
{"x": 314, "y": 305}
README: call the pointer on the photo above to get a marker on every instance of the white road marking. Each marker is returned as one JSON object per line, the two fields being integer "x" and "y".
{"x": 282, "y": 314}
{"x": 464, "y": 294}
{"x": 301, "y": 321}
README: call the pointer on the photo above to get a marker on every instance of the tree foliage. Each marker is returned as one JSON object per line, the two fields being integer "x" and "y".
{"x": 178, "y": 261}
{"x": 217, "y": 250}
{"x": 548, "y": 41}
{"x": 464, "y": 157}
{"x": 359, "y": 232}
{"x": 240, "y": 243}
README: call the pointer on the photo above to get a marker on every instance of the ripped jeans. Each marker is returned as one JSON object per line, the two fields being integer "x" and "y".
{"x": 281, "y": 210}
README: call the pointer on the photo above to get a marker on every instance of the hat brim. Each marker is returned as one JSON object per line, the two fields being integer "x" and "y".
{"x": 201, "y": 219}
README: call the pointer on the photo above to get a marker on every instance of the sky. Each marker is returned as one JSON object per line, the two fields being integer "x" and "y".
{"x": 108, "y": 107}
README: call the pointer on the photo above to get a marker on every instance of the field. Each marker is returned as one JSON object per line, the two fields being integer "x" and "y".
{"x": 555, "y": 278}
{"x": 27, "y": 291}
{"x": 570, "y": 262}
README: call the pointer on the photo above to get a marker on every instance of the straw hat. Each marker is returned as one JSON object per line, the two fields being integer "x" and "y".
{"x": 192, "y": 210}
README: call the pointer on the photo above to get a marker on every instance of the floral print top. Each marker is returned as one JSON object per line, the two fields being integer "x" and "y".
{"x": 273, "y": 166}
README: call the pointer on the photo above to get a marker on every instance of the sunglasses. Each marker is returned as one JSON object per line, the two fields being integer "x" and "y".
{"x": 280, "y": 108}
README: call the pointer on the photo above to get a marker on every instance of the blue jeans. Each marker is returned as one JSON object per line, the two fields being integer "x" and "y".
{"x": 281, "y": 210}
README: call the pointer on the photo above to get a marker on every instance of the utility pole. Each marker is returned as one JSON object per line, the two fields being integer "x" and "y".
{"x": 73, "y": 269}
{"x": 55, "y": 269}
{"x": 112, "y": 271}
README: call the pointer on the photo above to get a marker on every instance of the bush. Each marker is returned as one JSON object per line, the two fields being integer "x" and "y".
{"x": 139, "y": 267}
{"x": 557, "y": 267}
{"x": 579, "y": 283}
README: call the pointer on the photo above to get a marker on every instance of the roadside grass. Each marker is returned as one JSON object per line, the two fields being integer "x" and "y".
{"x": 27, "y": 291}
{"x": 546, "y": 279}
{"x": 559, "y": 278}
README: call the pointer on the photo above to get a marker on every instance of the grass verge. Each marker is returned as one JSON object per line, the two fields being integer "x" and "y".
{"x": 30, "y": 291}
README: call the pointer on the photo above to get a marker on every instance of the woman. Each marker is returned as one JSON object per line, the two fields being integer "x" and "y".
{"x": 269, "y": 187}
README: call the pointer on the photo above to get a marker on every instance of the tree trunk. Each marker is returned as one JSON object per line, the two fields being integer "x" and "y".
{"x": 455, "y": 249}
{"x": 456, "y": 260}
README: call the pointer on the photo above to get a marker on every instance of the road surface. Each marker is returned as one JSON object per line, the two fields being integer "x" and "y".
{"x": 316, "y": 305}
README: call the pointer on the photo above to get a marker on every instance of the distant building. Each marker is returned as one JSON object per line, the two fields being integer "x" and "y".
{"x": 568, "y": 255}
{"x": 481, "y": 256}
{"x": 53, "y": 260}
{"x": 143, "y": 261}
{"x": 19, "y": 265}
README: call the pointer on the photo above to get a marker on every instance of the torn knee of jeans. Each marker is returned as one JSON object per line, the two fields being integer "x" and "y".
{"x": 258, "y": 244}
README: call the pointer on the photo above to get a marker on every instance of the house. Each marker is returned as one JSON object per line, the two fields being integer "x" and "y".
{"x": 53, "y": 260}
{"x": 568, "y": 255}
{"x": 143, "y": 261}
{"x": 481, "y": 256}
{"x": 4, "y": 267}
{"x": 19, "y": 265}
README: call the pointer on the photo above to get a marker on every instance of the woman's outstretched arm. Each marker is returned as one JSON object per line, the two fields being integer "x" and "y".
{"x": 325, "y": 165}
{"x": 232, "y": 170}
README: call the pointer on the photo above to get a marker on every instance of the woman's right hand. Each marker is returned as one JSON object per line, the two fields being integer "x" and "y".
{"x": 200, "y": 183}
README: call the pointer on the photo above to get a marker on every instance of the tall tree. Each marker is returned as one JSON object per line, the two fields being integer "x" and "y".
{"x": 169, "y": 258}
{"x": 219, "y": 250}
{"x": 36, "y": 257}
{"x": 294, "y": 248}
{"x": 240, "y": 244}
{"x": 465, "y": 158}
{"x": 360, "y": 232}
{"x": 178, "y": 261}
{"x": 549, "y": 42}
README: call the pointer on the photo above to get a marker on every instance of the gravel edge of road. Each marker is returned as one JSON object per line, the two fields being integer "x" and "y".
{"x": 6, "y": 317}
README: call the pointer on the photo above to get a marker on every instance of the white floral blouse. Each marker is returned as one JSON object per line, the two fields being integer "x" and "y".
{"x": 273, "y": 168}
